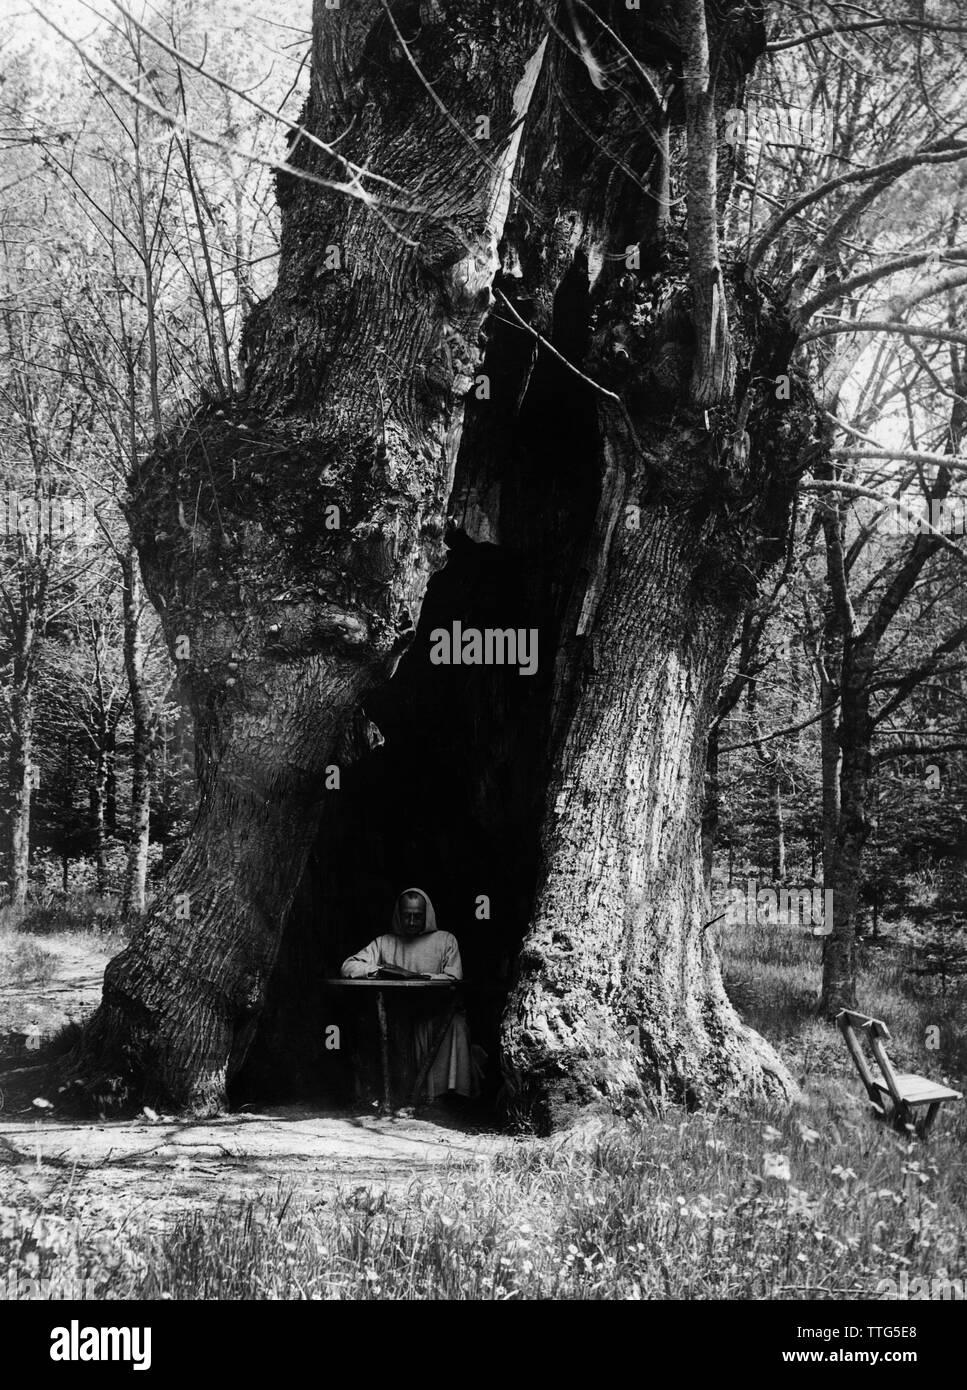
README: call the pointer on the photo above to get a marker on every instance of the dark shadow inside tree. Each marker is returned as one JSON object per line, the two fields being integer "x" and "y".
{"x": 453, "y": 799}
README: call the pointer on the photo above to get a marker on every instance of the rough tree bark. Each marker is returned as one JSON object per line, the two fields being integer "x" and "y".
{"x": 618, "y": 994}
{"x": 830, "y": 755}
{"x": 20, "y": 782}
{"x": 27, "y": 615}
{"x": 142, "y": 737}
{"x": 779, "y": 827}
{"x": 286, "y": 538}
{"x": 101, "y": 733}
{"x": 356, "y": 369}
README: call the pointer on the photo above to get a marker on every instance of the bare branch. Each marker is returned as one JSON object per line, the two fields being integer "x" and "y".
{"x": 780, "y": 733}
{"x": 943, "y": 152}
{"x": 352, "y": 189}
{"x": 880, "y": 272}
{"x": 355, "y": 171}
{"x": 939, "y": 335}
{"x": 779, "y": 45}
{"x": 855, "y": 490}
{"x": 902, "y": 456}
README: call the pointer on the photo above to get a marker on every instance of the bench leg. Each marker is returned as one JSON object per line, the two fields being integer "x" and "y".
{"x": 903, "y": 1120}
{"x": 928, "y": 1119}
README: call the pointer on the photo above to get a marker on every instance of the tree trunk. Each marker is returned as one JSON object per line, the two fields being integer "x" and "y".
{"x": 711, "y": 805}
{"x": 619, "y": 995}
{"x": 830, "y": 753}
{"x": 67, "y": 814}
{"x": 857, "y": 724}
{"x": 136, "y": 868}
{"x": 98, "y": 798}
{"x": 287, "y": 539}
{"x": 779, "y": 828}
{"x": 111, "y": 778}
{"x": 21, "y": 787}
{"x": 179, "y": 999}
{"x": 842, "y": 785}
{"x": 316, "y": 504}
{"x": 27, "y": 639}
{"x": 853, "y": 830}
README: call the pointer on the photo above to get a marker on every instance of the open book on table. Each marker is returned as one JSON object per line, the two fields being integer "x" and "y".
{"x": 398, "y": 972}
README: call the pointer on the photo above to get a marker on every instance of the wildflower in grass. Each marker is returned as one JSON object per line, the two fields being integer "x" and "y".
{"x": 801, "y": 1204}
{"x": 915, "y": 1170}
{"x": 776, "y": 1166}
{"x": 807, "y": 1135}
{"x": 770, "y": 1134}
{"x": 9, "y": 1222}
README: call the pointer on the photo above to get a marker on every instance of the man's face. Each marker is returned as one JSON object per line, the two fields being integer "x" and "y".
{"x": 413, "y": 915}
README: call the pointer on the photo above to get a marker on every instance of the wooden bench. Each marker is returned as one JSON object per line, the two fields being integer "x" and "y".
{"x": 900, "y": 1096}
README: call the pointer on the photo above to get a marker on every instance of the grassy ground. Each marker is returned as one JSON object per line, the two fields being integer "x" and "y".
{"x": 51, "y": 965}
{"x": 814, "y": 1202}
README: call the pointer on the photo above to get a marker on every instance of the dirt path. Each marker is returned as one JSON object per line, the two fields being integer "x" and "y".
{"x": 47, "y": 981}
{"x": 165, "y": 1166}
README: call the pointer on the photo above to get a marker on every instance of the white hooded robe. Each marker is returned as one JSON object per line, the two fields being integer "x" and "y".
{"x": 433, "y": 952}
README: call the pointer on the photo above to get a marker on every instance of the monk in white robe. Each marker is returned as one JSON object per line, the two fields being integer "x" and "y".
{"x": 415, "y": 943}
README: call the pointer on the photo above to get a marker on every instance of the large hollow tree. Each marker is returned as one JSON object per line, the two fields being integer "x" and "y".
{"x": 287, "y": 538}
{"x": 618, "y": 995}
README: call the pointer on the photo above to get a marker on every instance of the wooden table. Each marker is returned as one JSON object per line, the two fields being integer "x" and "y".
{"x": 379, "y": 989}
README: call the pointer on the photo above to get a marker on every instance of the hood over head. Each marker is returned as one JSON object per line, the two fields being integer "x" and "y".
{"x": 397, "y": 925}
